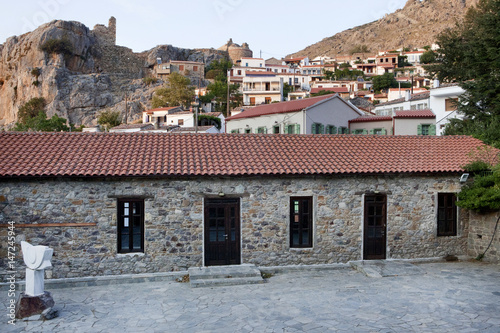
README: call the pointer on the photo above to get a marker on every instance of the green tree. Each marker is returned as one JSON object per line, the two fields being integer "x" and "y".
{"x": 109, "y": 119}
{"x": 32, "y": 117}
{"x": 469, "y": 54}
{"x": 218, "y": 90}
{"x": 31, "y": 109}
{"x": 286, "y": 89}
{"x": 384, "y": 82}
{"x": 428, "y": 57}
{"x": 178, "y": 91}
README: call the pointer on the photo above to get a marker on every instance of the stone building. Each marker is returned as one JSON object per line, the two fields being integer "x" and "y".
{"x": 130, "y": 202}
{"x": 235, "y": 51}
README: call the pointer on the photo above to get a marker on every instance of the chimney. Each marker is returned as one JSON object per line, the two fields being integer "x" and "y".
{"x": 436, "y": 83}
{"x": 407, "y": 95}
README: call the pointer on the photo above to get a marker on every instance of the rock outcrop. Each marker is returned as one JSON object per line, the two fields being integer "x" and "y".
{"x": 95, "y": 75}
{"x": 415, "y": 25}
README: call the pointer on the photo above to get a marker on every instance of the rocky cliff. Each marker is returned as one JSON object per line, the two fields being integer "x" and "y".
{"x": 95, "y": 75}
{"x": 415, "y": 25}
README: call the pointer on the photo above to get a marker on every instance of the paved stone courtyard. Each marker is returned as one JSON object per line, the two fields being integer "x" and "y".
{"x": 445, "y": 297}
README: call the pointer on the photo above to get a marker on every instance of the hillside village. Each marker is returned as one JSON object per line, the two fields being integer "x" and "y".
{"x": 424, "y": 103}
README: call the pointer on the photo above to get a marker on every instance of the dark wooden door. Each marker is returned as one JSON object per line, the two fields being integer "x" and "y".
{"x": 374, "y": 242}
{"x": 222, "y": 232}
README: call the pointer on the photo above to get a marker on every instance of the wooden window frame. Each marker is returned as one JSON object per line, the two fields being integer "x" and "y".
{"x": 450, "y": 104}
{"x": 446, "y": 205}
{"x": 120, "y": 225}
{"x": 300, "y": 229}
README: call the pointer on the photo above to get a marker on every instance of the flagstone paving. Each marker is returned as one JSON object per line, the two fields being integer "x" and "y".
{"x": 444, "y": 297}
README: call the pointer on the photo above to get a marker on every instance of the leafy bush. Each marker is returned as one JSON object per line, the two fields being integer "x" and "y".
{"x": 59, "y": 46}
{"x": 41, "y": 123}
{"x": 203, "y": 118}
{"x": 149, "y": 80}
{"x": 109, "y": 119}
{"x": 31, "y": 109}
{"x": 36, "y": 72}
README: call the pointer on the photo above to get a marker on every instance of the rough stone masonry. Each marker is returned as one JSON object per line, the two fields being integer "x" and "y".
{"x": 174, "y": 220}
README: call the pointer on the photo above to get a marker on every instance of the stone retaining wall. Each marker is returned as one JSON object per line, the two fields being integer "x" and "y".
{"x": 174, "y": 220}
{"x": 481, "y": 234}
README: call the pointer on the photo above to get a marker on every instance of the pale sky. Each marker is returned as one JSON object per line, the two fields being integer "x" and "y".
{"x": 275, "y": 27}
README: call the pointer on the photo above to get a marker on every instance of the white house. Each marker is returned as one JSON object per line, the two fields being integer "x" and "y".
{"x": 170, "y": 117}
{"x": 418, "y": 101}
{"x": 418, "y": 122}
{"x": 443, "y": 98}
{"x": 328, "y": 114}
{"x": 261, "y": 88}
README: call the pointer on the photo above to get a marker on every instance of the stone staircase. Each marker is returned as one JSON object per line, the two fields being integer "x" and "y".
{"x": 224, "y": 275}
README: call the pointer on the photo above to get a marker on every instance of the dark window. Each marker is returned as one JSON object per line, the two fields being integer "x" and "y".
{"x": 425, "y": 129}
{"x": 447, "y": 214}
{"x": 276, "y": 129}
{"x": 180, "y": 122}
{"x": 301, "y": 222}
{"x": 130, "y": 225}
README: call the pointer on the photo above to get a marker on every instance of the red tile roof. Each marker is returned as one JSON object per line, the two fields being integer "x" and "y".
{"x": 334, "y": 89}
{"x": 173, "y": 155}
{"x": 283, "y": 107}
{"x": 426, "y": 113}
{"x": 366, "y": 119}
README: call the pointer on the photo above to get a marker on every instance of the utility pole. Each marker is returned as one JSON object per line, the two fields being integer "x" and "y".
{"x": 126, "y": 107}
{"x": 228, "y": 83}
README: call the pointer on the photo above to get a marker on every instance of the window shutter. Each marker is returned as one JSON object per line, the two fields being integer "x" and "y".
{"x": 419, "y": 130}
{"x": 313, "y": 128}
{"x": 384, "y": 131}
{"x": 333, "y": 130}
{"x": 321, "y": 129}
{"x": 286, "y": 129}
{"x": 432, "y": 130}
{"x": 372, "y": 131}
{"x": 297, "y": 129}
{"x": 365, "y": 131}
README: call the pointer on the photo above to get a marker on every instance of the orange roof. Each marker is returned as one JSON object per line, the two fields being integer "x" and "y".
{"x": 366, "y": 119}
{"x": 173, "y": 155}
{"x": 334, "y": 89}
{"x": 426, "y": 113}
{"x": 283, "y": 107}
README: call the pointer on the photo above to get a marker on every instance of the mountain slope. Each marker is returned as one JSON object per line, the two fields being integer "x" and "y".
{"x": 415, "y": 25}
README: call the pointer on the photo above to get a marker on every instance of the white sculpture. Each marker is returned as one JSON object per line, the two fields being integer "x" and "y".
{"x": 37, "y": 258}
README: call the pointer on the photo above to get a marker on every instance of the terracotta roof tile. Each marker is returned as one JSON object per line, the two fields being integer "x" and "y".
{"x": 170, "y": 155}
{"x": 365, "y": 119}
{"x": 334, "y": 89}
{"x": 426, "y": 113}
{"x": 283, "y": 107}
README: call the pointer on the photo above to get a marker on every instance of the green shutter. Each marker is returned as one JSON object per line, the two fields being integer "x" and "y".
{"x": 384, "y": 131}
{"x": 321, "y": 129}
{"x": 365, "y": 131}
{"x": 419, "y": 130}
{"x": 285, "y": 129}
{"x": 432, "y": 130}
{"x": 372, "y": 131}
{"x": 257, "y": 131}
{"x": 297, "y": 128}
{"x": 313, "y": 128}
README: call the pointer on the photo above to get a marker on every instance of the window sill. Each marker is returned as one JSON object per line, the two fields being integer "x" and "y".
{"x": 301, "y": 249}
{"x": 130, "y": 254}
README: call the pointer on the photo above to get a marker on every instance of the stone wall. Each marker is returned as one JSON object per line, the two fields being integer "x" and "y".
{"x": 174, "y": 220}
{"x": 482, "y": 227}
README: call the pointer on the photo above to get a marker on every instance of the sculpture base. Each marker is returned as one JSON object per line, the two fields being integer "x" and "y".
{"x": 28, "y": 306}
